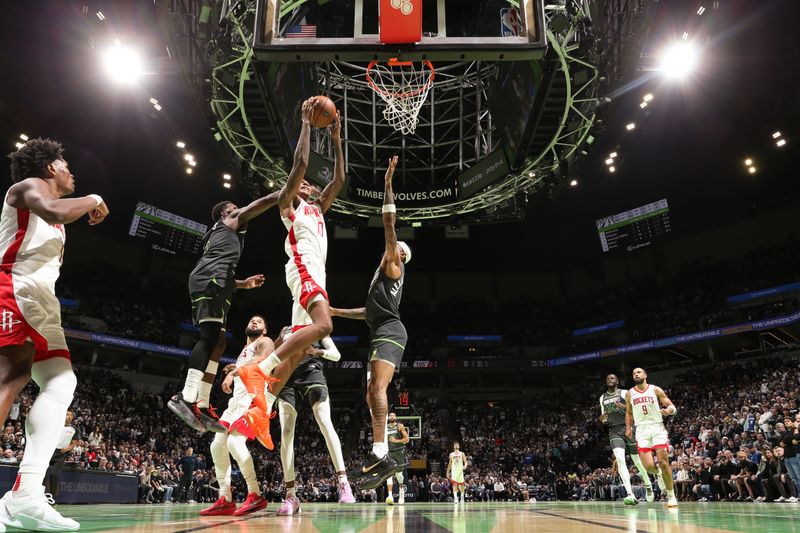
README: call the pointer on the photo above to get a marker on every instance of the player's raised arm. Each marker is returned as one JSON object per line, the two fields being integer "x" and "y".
{"x": 289, "y": 191}
{"x": 332, "y": 189}
{"x": 669, "y": 408}
{"x": 391, "y": 260}
{"x": 359, "y": 313}
{"x": 239, "y": 218}
{"x": 36, "y": 196}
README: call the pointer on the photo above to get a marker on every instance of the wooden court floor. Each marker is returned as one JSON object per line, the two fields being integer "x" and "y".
{"x": 557, "y": 517}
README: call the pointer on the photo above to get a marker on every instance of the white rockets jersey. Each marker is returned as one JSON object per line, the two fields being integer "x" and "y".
{"x": 645, "y": 406}
{"x": 31, "y": 248}
{"x": 308, "y": 238}
{"x": 457, "y": 460}
{"x": 240, "y": 394}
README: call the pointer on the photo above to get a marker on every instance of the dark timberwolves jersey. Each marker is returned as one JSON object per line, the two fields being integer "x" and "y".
{"x": 222, "y": 248}
{"x": 383, "y": 298}
{"x": 616, "y": 415}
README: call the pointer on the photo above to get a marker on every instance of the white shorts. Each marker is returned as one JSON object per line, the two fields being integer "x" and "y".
{"x": 31, "y": 313}
{"x": 652, "y": 437}
{"x": 457, "y": 478}
{"x": 306, "y": 281}
{"x": 232, "y": 417}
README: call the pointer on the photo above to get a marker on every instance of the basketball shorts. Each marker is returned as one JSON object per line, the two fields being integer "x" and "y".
{"x": 616, "y": 435}
{"x": 211, "y": 304}
{"x": 238, "y": 405}
{"x": 652, "y": 437}
{"x": 306, "y": 281}
{"x": 399, "y": 457}
{"x": 306, "y": 383}
{"x": 457, "y": 478}
{"x": 388, "y": 343}
{"x": 31, "y": 313}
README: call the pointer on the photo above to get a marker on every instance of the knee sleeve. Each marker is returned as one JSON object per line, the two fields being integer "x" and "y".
{"x": 288, "y": 419}
{"x": 322, "y": 414}
{"x": 237, "y": 446}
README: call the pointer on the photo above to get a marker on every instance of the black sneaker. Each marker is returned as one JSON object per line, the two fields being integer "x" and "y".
{"x": 210, "y": 418}
{"x": 374, "y": 472}
{"x": 188, "y": 412}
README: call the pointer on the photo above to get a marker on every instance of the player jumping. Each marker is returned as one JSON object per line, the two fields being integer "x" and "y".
{"x": 234, "y": 441}
{"x": 308, "y": 382}
{"x": 644, "y": 409}
{"x": 387, "y": 337}
{"x": 302, "y": 207}
{"x": 612, "y": 413}
{"x": 211, "y": 287}
{"x": 32, "y": 342}
{"x": 456, "y": 467}
{"x": 397, "y": 437}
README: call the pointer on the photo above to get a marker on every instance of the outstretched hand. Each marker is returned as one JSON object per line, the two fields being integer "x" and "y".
{"x": 335, "y": 129}
{"x": 307, "y": 111}
{"x": 253, "y": 282}
{"x": 390, "y": 169}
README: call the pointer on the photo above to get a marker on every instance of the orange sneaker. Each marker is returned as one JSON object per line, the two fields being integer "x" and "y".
{"x": 254, "y": 502}
{"x": 256, "y": 381}
{"x": 258, "y": 422}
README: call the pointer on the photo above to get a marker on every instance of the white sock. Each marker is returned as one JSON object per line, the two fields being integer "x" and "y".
{"x": 290, "y": 493}
{"x": 237, "y": 446}
{"x": 642, "y": 472}
{"x": 203, "y": 394}
{"x": 342, "y": 478}
{"x": 268, "y": 364}
{"x": 270, "y": 401}
{"x": 45, "y": 423}
{"x": 192, "y": 385}
{"x": 622, "y": 468}
{"x": 222, "y": 464}
{"x": 288, "y": 418}
{"x": 380, "y": 449}
{"x": 670, "y": 493}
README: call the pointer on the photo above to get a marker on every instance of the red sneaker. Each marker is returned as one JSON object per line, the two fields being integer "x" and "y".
{"x": 254, "y": 502}
{"x": 258, "y": 422}
{"x": 219, "y": 508}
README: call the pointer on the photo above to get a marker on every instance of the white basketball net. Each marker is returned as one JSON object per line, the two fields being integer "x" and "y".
{"x": 403, "y": 86}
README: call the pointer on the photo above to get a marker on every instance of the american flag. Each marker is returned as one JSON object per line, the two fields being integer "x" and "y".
{"x": 304, "y": 30}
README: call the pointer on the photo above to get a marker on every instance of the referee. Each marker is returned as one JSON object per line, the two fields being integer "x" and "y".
{"x": 69, "y": 439}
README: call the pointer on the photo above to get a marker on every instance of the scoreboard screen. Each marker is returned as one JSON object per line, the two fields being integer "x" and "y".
{"x": 166, "y": 231}
{"x": 635, "y": 228}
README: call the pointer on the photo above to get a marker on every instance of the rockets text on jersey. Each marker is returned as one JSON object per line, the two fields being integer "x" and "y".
{"x": 645, "y": 406}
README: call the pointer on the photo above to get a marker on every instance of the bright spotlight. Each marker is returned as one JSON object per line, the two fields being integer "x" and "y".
{"x": 192, "y": 163}
{"x": 780, "y": 143}
{"x": 188, "y": 157}
{"x": 775, "y": 135}
{"x": 609, "y": 160}
{"x": 748, "y": 162}
{"x": 180, "y": 144}
{"x": 271, "y": 183}
{"x": 23, "y": 136}
{"x": 19, "y": 145}
{"x": 612, "y": 169}
{"x": 643, "y": 105}
{"x": 701, "y": 10}
{"x": 647, "y": 97}
{"x": 630, "y": 126}
{"x": 122, "y": 64}
{"x": 573, "y": 183}
{"x": 751, "y": 170}
{"x": 189, "y": 170}
{"x": 612, "y": 155}
{"x": 226, "y": 185}
{"x": 226, "y": 177}
{"x": 157, "y": 107}
{"x": 678, "y": 60}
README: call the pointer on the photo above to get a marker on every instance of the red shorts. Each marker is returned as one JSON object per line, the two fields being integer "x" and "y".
{"x": 29, "y": 313}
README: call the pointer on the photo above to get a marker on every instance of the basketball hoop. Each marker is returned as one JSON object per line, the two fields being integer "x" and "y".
{"x": 403, "y": 86}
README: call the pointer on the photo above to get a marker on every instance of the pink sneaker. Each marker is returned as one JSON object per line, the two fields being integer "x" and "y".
{"x": 291, "y": 506}
{"x": 346, "y": 493}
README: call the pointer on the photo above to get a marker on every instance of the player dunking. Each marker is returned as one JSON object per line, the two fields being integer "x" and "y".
{"x": 612, "y": 413}
{"x": 234, "y": 441}
{"x": 387, "y": 336}
{"x": 302, "y": 207}
{"x": 397, "y": 438}
{"x": 32, "y": 342}
{"x": 456, "y": 467}
{"x": 644, "y": 409}
{"x": 211, "y": 287}
{"x": 308, "y": 383}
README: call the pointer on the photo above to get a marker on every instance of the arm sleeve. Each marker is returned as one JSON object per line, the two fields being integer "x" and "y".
{"x": 602, "y": 407}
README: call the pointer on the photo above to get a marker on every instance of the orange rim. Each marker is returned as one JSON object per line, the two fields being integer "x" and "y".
{"x": 393, "y": 62}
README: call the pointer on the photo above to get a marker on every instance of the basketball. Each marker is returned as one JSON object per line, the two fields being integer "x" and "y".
{"x": 325, "y": 112}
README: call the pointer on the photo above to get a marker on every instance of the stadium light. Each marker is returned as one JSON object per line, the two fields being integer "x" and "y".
{"x": 678, "y": 60}
{"x": 573, "y": 183}
{"x": 227, "y": 185}
{"x": 775, "y": 135}
{"x": 271, "y": 183}
{"x": 100, "y": 15}
{"x": 192, "y": 163}
{"x": 609, "y": 161}
{"x": 751, "y": 170}
{"x": 122, "y": 64}
{"x": 630, "y": 126}
{"x": 612, "y": 155}
{"x": 647, "y": 97}
{"x": 685, "y": 35}
{"x": 780, "y": 143}
{"x": 153, "y": 101}
{"x": 643, "y": 105}
{"x": 157, "y": 107}
{"x": 612, "y": 169}
{"x": 189, "y": 170}
{"x": 19, "y": 145}
{"x": 226, "y": 177}
{"x": 188, "y": 157}
{"x": 180, "y": 144}
{"x": 701, "y": 10}
{"x": 748, "y": 162}
{"x": 23, "y": 137}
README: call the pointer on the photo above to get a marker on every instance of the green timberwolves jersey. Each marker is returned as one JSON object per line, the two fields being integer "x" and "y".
{"x": 616, "y": 415}
{"x": 394, "y": 432}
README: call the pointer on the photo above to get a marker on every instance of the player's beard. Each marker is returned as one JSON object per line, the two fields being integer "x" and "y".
{"x": 638, "y": 381}
{"x": 253, "y": 333}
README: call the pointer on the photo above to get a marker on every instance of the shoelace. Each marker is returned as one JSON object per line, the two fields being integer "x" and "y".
{"x": 270, "y": 380}
{"x": 212, "y": 412}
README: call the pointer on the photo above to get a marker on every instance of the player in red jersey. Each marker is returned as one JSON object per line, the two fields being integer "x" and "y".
{"x": 32, "y": 342}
